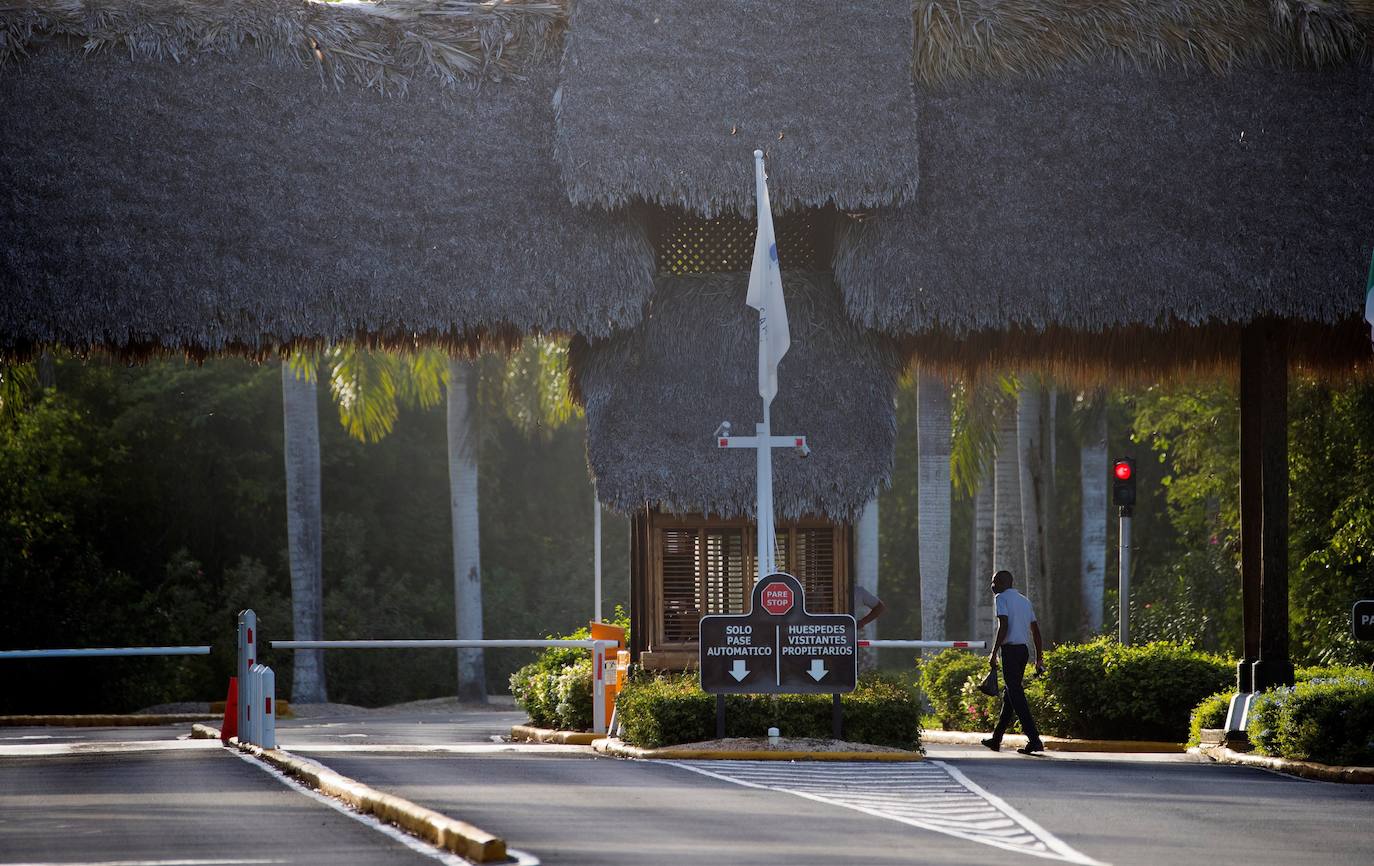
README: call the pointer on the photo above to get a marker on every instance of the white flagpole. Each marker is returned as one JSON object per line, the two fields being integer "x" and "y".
{"x": 766, "y": 540}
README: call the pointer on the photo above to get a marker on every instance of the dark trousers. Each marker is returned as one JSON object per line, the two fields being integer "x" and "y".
{"x": 1015, "y": 657}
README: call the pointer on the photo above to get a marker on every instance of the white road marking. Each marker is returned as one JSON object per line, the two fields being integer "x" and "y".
{"x": 931, "y": 795}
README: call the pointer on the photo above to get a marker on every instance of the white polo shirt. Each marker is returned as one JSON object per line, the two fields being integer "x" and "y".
{"x": 1017, "y": 609}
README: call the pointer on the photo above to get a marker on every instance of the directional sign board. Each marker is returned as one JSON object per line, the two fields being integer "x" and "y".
{"x": 1362, "y": 619}
{"x": 779, "y": 648}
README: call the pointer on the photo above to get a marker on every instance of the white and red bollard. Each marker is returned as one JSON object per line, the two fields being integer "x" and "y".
{"x": 257, "y": 714}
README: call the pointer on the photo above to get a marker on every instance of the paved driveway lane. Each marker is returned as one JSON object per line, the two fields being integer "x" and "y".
{"x": 200, "y": 804}
{"x": 606, "y": 811}
{"x": 1148, "y": 813}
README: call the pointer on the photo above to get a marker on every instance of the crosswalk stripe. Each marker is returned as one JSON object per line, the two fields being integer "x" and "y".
{"x": 933, "y": 796}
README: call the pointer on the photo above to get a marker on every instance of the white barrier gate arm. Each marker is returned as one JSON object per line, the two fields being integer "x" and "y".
{"x": 106, "y": 651}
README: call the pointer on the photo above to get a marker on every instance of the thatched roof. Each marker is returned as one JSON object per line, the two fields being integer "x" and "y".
{"x": 1113, "y": 202}
{"x": 212, "y": 193}
{"x": 970, "y": 40}
{"x": 666, "y": 101}
{"x": 654, "y": 394}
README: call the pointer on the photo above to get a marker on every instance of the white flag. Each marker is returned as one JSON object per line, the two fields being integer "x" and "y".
{"x": 765, "y": 291}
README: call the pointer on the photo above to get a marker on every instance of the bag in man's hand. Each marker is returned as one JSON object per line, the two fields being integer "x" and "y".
{"x": 989, "y": 684}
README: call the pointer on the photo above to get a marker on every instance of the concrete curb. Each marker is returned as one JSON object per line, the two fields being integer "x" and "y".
{"x": 1305, "y": 769}
{"x": 531, "y": 734}
{"x": 105, "y": 721}
{"x": 620, "y": 749}
{"x": 1055, "y": 744}
{"x": 439, "y": 830}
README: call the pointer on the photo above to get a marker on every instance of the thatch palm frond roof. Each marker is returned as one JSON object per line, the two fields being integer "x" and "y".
{"x": 233, "y": 204}
{"x": 380, "y": 45}
{"x": 665, "y": 102}
{"x": 654, "y": 394}
{"x": 1110, "y": 200}
{"x": 969, "y": 40}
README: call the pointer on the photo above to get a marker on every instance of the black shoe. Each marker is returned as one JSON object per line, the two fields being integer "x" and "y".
{"x": 992, "y": 743}
{"x": 1031, "y": 748}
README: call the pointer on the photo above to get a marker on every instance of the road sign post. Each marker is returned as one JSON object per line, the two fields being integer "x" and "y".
{"x": 778, "y": 648}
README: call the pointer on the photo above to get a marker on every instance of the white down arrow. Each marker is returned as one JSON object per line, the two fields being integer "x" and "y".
{"x": 817, "y": 669}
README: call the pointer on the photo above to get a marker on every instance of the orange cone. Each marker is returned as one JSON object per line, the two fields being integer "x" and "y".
{"x": 230, "y": 726}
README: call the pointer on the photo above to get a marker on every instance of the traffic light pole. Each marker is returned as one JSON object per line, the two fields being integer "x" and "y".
{"x": 1124, "y": 599}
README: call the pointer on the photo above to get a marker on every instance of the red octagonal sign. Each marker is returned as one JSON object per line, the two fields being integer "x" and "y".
{"x": 777, "y": 598}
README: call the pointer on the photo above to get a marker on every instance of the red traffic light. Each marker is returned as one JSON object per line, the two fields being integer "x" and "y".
{"x": 1122, "y": 470}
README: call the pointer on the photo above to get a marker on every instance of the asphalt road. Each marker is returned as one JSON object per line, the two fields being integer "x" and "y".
{"x": 194, "y": 804}
{"x": 138, "y": 794}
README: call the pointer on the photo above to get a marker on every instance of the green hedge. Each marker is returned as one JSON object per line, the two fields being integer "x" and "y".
{"x": 1211, "y": 713}
{"x": 1099, "y": 690}
{"x": 942, "y": 681}
{"x": 664, "y": 710}
{"x": 555, "y": 690}
{"x": 1103, "y": 690}
{"x": 1329, "y": 720}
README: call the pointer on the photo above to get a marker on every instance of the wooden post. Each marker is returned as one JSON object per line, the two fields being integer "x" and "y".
{"x": 1251, "y": 503}
{"x": 1274, "y": 667}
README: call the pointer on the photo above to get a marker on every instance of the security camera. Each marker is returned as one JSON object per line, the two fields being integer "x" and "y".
{"x": 723, "y": 429}
{"x": 803, "y": 451}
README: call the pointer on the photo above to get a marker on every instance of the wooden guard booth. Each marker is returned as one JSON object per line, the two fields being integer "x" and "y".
{"x": 683, "y": 567}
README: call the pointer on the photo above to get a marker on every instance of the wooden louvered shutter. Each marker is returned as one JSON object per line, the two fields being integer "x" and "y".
{"x": 681, "y": 588}
{"x": 724, "y": 570}
{"x": 813, "y": 563}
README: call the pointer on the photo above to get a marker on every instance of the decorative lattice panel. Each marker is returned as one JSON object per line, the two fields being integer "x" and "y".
{"x": 690, "y": 244}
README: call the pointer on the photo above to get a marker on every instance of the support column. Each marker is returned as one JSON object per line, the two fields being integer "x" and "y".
{"x": 1251, "y": 503}
{"x": 1274, "y": 667}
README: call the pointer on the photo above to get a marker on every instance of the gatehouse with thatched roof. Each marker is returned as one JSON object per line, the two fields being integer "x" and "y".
{"x": 1116, "y": 189}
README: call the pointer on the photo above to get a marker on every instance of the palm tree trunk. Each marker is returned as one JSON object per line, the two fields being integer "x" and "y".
{"x": 1048, "y": 519}
{"x": 1094, "y": 481}
{"x": 980, "y": 563}
{"x": 1029, "y": 437}
{"x": 1008, "y": 551}
{"x": 467, "y": 554}
{"x": 933, "y": 434}
{"x": 301, "y": 429}
{"x": 866, "y": 571}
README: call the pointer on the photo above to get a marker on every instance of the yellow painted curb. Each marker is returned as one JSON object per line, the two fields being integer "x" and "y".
{"x": 440, "y": 830}
{"x": 104, "y": 721}
{"x": 1305, "y": 769}
{"x": 621, "y": 749}
{"x": 531, "y": 734}
{"x": 1056, "y": 744}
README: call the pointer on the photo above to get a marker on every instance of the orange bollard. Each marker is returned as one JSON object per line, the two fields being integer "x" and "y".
{"x": 230, "y": 726}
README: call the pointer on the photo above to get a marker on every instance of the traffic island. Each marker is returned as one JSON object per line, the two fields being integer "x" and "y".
{"x": 531, "y": 734}
{"x": 1055, "y": 744}
{"x": 754, "y": 749}
{"x": 1305, "y": 769}
{"x": 433, "y": 827}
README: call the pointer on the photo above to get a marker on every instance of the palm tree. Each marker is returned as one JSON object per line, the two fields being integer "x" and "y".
{"x": 18, "y": 384}
{"x": 973, "y": 452}
{"x": 933, "y": 443}
{"x": 301, "y": 432}
{"x": 1031, "y": 479}
{"x": 866, "y": 567}
{"x": 530, "y": 386}
{"x": 1008, "y": 548}
{"x": 1092, "y": 422}
{"x": 463, "y": 505}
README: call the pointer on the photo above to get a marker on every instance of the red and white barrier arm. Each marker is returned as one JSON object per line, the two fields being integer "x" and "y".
{"x": 923, "y": 644}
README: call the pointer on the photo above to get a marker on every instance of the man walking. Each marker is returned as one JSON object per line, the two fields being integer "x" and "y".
{"x": 1016, "y": 627}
